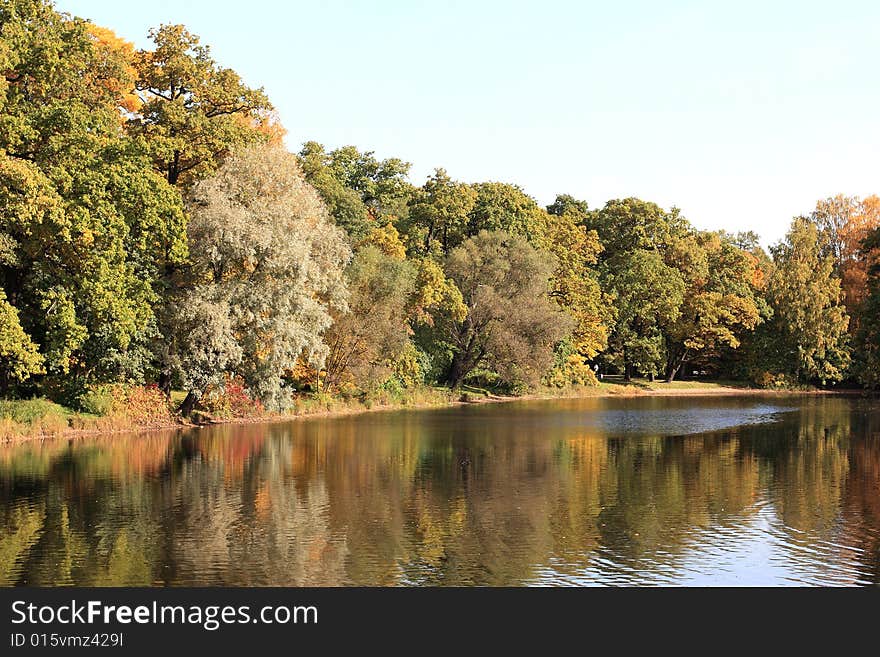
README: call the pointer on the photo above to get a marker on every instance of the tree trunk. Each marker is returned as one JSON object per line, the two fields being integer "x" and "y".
{"x": 673, "y": 365}
{"x": 164, "y": 383}
{"x": 456, "y": 370}
{"x": 627, "y": 372}
{"x": 174, "y": 169}
{"x": 189, "y": 403}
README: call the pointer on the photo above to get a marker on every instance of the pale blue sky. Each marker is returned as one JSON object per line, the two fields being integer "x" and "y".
{"x": 741, "y": 113}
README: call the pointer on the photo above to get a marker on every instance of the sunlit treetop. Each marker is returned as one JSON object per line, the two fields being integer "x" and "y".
{"x": 194, "y": 111}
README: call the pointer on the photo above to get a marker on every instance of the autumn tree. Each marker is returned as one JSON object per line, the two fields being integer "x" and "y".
{"x": 265, "y": 255}
{"x": 365, "y": 341}
{"x": 867, "y": 340}
{"x": 510, "y": 325}
{"x": 810, "y": 322}
{"x": 193, "y": 111}
{"x": 115, "y": 69}
{"x": 575, "y": 282}
{"x": 85, "y": 223}
{"x": 720, "y": 301}
{"x": 846, "y": 222}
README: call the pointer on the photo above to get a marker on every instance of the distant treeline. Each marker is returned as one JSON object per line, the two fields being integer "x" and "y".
{"x": 154, "y": 230}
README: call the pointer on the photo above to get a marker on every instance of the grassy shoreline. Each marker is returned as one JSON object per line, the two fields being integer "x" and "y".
{"x": 40, "y": 419}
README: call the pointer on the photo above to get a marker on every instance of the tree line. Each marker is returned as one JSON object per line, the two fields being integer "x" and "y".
{"x": 155, "y": 230}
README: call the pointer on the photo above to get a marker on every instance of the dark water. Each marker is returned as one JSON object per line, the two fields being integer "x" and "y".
{"x": 724, "y": 490}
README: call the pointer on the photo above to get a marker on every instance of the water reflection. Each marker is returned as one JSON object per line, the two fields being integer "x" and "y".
{"x": 601, "y": 491}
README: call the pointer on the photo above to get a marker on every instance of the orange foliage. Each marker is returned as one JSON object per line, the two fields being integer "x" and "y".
{"x": 267, "y": 123}
{"x": 855, "y": 264}
{"x": 117, "y": 72}
{"x": 758, "y": 277}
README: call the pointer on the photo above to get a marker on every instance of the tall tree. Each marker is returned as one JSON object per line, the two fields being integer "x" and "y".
{"x": 834, "y": 216}
{"x": 868, "y": 336}
{"x": 365, "y": 341}
{"x": 85, "y": 221}
{"x": 511, "y": 325}
{"x": 721, "y": 300}
{"x": 846, "y": 222}
{"x": 647, "y": 291}
{"x": 360, "y": 191}
{"x": 810, "y": 320}
{"x": 193, "y": 111}
{"x": 624, "y": 225}
{"x": 438, "y": 215}
{"x": 648, "y": 296}
{"x": 501, "y": 206}
{"x": 266, "y": 255}
{"x": 19, "y": 356}
{"x": 566, "y": 204}
{"x": 575, "y": 283}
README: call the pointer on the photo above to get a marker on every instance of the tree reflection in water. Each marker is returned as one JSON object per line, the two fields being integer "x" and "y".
{"x": 575, "y": 492}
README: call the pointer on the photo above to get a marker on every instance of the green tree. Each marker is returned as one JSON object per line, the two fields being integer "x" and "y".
{"x": 642, "y": 268}
{"x": 19, "y": 356}
{"x": 360, "y": 191}
{"x": 648, "y": 295}
{"x": 381, "y": 184}
{"x": 344, "y": 204}
{"x": 438, "y": 215}
{"x": 86, "y": 224}
{"x": 566, "y": 204}
{"x": 501, "y": 206}
{"x": 624, "y": 225}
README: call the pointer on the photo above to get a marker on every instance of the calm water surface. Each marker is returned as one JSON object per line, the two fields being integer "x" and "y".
{"x": 714, "y": 490}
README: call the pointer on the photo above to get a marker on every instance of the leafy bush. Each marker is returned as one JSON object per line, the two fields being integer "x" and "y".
{"x": 569, "y": 368}
{"x": 141, "y": 405}
{"x": 230, "y": 400}
{"x": 97, "y": 401}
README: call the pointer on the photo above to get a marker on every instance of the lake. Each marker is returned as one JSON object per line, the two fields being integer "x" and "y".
{"x": 726, "y": 490}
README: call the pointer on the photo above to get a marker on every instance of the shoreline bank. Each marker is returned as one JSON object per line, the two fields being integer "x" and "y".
{"x": 443, "y": 399}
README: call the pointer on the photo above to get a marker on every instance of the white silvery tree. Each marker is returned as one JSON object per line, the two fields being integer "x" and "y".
{"x": 267, "y": 269}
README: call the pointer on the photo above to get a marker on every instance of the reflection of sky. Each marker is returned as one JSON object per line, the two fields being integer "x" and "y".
{"x": 676, "y": 422}
{"x": 752, "y": 550}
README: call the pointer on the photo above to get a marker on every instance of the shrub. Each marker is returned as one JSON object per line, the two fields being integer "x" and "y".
{"x": 142, "y": 405}
{"x": 230, "y": 400}
{"x": 97, "y": 401}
